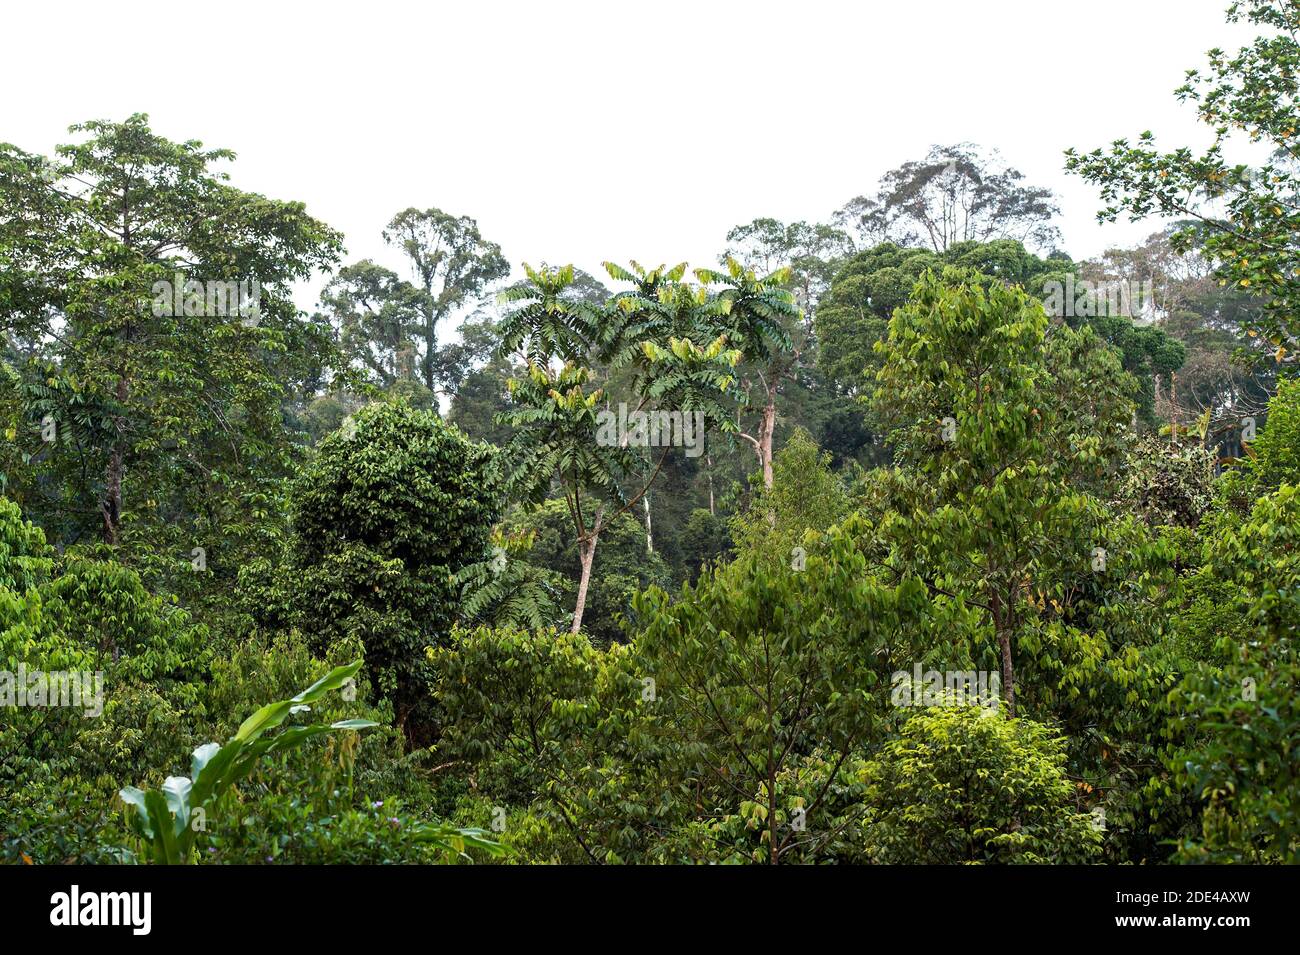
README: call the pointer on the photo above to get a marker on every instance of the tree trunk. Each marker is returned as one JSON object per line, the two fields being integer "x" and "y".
{"x": 649, "y": 534}
{"x": 708, "y": 462}
{"x": 111, "y": 505}
{"x": 1008, "y": 675}
{"x": 762, "y": 444}
{"x": 587, "y": 555}
{"x": 1173, "y": 403}
{"x": 765, "y": 433}
{"x": 430, "y": 344}
{"x": 773, "y": 855}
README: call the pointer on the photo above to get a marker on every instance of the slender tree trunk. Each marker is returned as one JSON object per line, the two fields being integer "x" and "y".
{"x": 771, "y": 815}
{"x": 1008, "y": 674}
{"x": 111, "y": 505}
{"x": 430, "y": 344}
{"x": 762, "y": 444}
{"x": 764, "y": 447}
{"x": 765, "y": 432}
{"x": 708, "y": 463}
{"x": 1173, "y": 406}
{"x": 587, "y": 556}
{"x": 649, "y": 534}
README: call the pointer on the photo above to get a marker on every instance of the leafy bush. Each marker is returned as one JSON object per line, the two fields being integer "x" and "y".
{"x": 1276, "y": 457}
{"x": 294, "y": 830}
{"x": 805, "y": 495}
{"x": 759, "y": 666}
{"x": 962, "y": 784}
{"x": 168, "y": 819}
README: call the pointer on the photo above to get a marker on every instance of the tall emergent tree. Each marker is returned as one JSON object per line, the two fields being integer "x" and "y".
{"x": 452, "y": 263}
{"x": 377, "y": 316}
{"x": 761, "y": 320}
{"x": 955, "y": 194}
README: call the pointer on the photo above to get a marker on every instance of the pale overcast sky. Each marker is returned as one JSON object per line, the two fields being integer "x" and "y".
{"x": 585, "y": 131}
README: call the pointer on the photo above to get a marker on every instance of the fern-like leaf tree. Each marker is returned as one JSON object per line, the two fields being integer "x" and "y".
{"x": 668, "y": 335}
{"x": 760, "y": 318}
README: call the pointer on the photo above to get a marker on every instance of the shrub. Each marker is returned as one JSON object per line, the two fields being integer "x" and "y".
{"x": 962, "y": 784}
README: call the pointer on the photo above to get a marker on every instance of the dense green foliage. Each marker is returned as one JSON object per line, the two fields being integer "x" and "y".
{"x": 866, "y": 546}
{"x": 961, "y": 785}
{"x": 390, "y": 509}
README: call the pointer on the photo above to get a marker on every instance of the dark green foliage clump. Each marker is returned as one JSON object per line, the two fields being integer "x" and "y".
{"x": 393, "y": 506}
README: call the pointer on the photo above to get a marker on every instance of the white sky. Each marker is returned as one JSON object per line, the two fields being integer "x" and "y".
{"x": 588, "y": 131}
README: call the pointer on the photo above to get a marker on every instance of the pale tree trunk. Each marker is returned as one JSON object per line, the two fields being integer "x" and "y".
{"x": 1173, "y": 406}
{"x": 762, "y": 444}
{"x": 649, "y": 534}
{"x": 587, "y": 556}
{"x": 708, "y": 462}
{"x": 764, "y": 447}
{"x": 765, "y": 438}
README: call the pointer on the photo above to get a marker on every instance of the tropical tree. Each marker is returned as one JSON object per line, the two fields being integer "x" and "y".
{"x": 670, "y": 338}
{"x": 128, "y": 652}
{"x": 855, "y": 312}
{"x": 507, "y": 590}
{"x": 1240, "y": 754}
{"x": 452, "y": 264}
{"x": 955, "y": 194}
{"x": 555, "y": 424}
{"x": 956, "y": 787}
{"x": 806, "y": 495}
{"x": 999, "y": 431}
{"x": 160, "y": 337}
{"x": 394, "y": 505}
{"x": 768, "y": 679}
{"x": 760, "y": 320}
{"x": 545, "y": 719}
{"x": 376, "y": 315}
